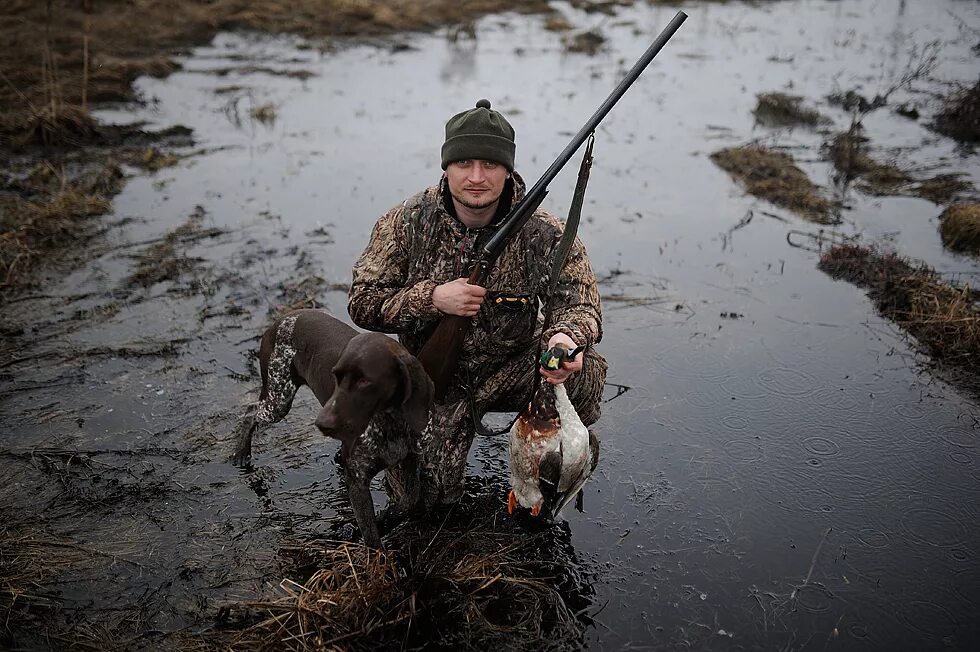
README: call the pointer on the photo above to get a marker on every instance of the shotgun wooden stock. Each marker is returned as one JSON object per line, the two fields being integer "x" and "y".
{"x": 440, "y": 354}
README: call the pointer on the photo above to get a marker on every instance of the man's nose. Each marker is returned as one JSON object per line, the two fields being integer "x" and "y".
{"x": 477, "y": 174}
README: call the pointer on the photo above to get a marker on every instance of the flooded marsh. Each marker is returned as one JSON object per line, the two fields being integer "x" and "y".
{"x": 782, "y": 467}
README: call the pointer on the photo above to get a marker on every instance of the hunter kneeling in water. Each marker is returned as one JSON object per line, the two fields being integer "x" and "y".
{"x": 414, "y": 274}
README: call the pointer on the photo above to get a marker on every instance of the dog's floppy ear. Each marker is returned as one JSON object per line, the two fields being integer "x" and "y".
{"x": 417, "y": 391}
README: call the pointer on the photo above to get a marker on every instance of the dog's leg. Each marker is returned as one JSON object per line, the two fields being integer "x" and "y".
{"x": 412, "y": 495}
{"x": 278, "y": 393}
{"x": 359, "y": 492}
{"x": 243, "y": 438}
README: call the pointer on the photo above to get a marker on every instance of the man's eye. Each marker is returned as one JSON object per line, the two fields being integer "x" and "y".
{"x": 490, "y": 165}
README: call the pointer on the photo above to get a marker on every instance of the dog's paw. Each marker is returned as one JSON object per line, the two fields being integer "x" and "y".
{"x": 241, "y": 459}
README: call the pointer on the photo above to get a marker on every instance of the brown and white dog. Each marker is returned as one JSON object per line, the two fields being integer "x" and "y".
{"x": 376, "y": 398}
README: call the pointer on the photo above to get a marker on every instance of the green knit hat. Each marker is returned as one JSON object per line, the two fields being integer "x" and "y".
{"x": 479, "y": 133}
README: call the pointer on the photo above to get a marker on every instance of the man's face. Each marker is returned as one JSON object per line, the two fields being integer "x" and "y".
{"x": 475, "y": 183}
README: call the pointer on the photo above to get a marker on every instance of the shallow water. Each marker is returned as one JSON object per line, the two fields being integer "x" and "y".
{"x": 791, "y": 478}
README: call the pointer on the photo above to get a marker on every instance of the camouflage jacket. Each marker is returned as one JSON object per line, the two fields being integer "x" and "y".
{"x": 419, "y": 244}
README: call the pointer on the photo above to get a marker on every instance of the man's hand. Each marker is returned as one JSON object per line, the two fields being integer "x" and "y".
{"x": 569, "y": 367}
{"x": 458, "y": 298}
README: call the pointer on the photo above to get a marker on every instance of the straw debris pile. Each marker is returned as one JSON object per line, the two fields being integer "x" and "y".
{"x": 480, "y": 584}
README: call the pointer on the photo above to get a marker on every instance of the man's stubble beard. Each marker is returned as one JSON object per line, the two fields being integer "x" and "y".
{"x": 473, "y": 205}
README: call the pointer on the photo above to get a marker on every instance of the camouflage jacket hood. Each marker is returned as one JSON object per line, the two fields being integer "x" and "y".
{"x": 419, "y": 244}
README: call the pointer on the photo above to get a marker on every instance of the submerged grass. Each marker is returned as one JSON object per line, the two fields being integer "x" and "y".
{"x": 942, "y": 317}
{"x": 848, "y": 152}
{"x": 773, "y": 176}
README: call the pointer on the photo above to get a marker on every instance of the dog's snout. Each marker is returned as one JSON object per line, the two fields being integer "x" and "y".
{"x": 326, "y": 421}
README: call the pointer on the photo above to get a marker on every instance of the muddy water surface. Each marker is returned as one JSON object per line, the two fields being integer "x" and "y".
{"x": 783, "y": 473}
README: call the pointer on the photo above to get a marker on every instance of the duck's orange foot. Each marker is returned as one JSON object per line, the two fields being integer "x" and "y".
{"x": 511, "y": 502}
{"x": 536, "y": 509}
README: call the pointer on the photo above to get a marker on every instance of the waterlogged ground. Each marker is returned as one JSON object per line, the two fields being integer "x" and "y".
{"x": 784, "y": 472}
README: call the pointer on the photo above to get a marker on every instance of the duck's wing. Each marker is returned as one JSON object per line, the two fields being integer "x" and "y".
{"x": 578, "y": 477}
{"x": 549, "y": 475}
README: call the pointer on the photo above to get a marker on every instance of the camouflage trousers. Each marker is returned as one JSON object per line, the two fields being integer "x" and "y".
{"x": 499, "y": 385}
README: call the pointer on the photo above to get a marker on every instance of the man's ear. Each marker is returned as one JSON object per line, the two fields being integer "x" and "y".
{"x": 417, "y": 391}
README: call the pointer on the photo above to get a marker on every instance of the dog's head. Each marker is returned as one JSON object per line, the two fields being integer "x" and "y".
{"x": 375, "y": 373}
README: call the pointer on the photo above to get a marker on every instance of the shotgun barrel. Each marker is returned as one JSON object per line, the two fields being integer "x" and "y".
{"x": 440, "y": 354}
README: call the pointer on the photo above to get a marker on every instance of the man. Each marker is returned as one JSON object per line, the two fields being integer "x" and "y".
{"x": 414, "y": 271}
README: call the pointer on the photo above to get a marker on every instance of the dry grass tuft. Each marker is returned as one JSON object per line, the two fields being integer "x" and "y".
{"x": 960, "y": 227}
{"x": 779, "y": 109}
{"x": 57, "y": 218}
{"x": 943, "y": 318}
{"x": 960, "y": 117}
{"x": 773, "y": 176}
{"x": 64, "y": 125}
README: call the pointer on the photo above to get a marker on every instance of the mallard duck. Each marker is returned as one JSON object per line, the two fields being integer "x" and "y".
{"x": 552, "y": 453}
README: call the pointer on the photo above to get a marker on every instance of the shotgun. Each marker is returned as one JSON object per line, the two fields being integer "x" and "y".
{"x": 440, "y": 354}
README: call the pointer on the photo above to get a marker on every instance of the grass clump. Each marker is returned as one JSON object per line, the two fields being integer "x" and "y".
{"x": 774, "y": 176}
{"x": 960, "y": 117}
{"x": 55, "y": 216}
{"x": 959, "y": 227}
{"x": 779, "y": 109}
{"x": 941, "y": 316}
